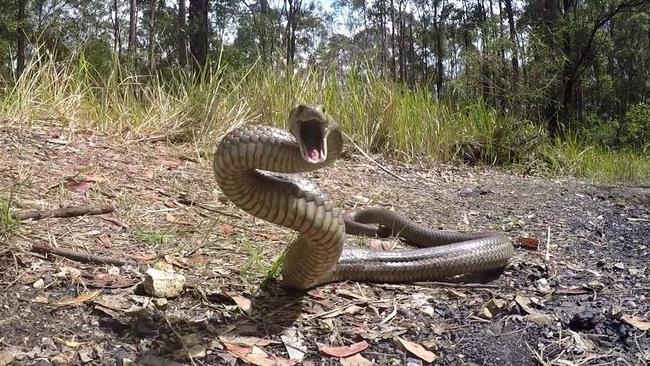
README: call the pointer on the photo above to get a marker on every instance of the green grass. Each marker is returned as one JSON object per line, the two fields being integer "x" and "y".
{"x": 380, "y": 116}
{"x": 8, "y": 224}
{"x": 570, "y": 157}
{"x": 152, "y": 237}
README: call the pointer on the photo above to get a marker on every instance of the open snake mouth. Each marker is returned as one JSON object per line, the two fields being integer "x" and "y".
{"x": 312, "y": 141}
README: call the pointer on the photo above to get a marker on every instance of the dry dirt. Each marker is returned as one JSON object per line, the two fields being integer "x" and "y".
{"x": 575, "y": 293}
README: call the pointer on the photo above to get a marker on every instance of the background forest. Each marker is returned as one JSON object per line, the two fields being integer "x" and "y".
{"x": 540, "y": 85}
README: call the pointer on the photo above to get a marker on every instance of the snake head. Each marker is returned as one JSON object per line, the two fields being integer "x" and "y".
{"x": 310, "y": 125}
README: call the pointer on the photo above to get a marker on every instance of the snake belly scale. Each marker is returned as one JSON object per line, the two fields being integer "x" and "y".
{"x": 252, "y": 165}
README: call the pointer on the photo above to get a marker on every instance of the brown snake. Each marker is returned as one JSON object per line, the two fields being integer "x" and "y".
{"x": 244, "y": 163}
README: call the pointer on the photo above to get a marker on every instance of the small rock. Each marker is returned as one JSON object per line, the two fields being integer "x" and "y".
{"x": 633, "y": 271}
{"x": 39, "y": 283}
{"x": 495, "y": 304}
{"x": 468, "y": 192}
{"x": 159, "y": 283}
{"x": 413, "y": 362}
{"x": 543, "y": 286}
{"x": 619, "y": 265}
{"x": 615, "y": 311}
{"x": 160, "y": 303}
{"x": 485, "y": 313}
{"x": 114, "y": 271}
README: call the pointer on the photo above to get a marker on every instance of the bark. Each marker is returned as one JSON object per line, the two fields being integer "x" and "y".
{"x": 392, "y": 40}
{"x": 198, "y": 24}
{"x": 117, "y": 43}
{"x": 264, "y": 31}
{"x": 513, "y": 38}
{"x": 152, "y": 34}
{"x": 182, "y": 35}
{"x": 133, "y": 20}
{"x": 21, "y": 42}
{"x": 293, "y": 15}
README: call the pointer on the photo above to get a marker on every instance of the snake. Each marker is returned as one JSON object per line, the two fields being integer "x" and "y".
{"x": 256, "y": 167}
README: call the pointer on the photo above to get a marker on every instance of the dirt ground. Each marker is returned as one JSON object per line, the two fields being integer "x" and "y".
{"x": 575, "y": 293}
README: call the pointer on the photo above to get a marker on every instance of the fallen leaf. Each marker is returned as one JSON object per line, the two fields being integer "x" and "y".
{"x": 485, "y": 313}
{"x": 175, "y": 220}
{"x": 151, "y": 360}
{"x": 227, "y": 230}
{"x": 71, "y": 344}
{"x": 256, "y": 356}
{"x": 356, "y": 360}
{"x": 113, "y": 302}
{"x": 68, "y": 272}
{"x": 78, "y": 186}
{"x": 86, "y": 296}
{"x": 380, "y": 245}
{"x": 523, "y": 303}
{"x": 418, "y": 350}
{"x": 294, "y": 343}
{"x": 390, "y": 316}
{"x": 8, "y": 355}
{"x": 539, "y": 318}
{"x": 246, "y": 341}
{"x": 40, "y": 300}
{"x": 636, "y": 322}
{"x": 105, "y": 240}
{"x": 105, "y": 280}
{"x": 243, "y": 303}
{"x": 637, "y": 219}
{"x": 197, "y": 259}
{"x": 343, "y": 351}
{"x": 85, "y": 355}
{"x": 528, "y": 243}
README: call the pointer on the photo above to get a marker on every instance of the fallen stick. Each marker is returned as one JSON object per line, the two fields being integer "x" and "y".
{"x": 70, "y": 211}
{"x": 79, "y": 256}
{"x": 365, "y": 155}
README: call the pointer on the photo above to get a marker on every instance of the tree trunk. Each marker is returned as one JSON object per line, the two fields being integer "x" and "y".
{"x": 265, "y": 31}
{"x": 182, "y": 35}
{"x": 21, "y": 42}
{"x": 513, "y": 38}
{"x": 438, "y": 44}
{"x": 198, "y": 24}
{"x": 133, "y": 20}
{"x": 117, "y": 43}
{"x": 392, "y": 40}
{"x": 152, "y": 34}
{"x": 293, "y": 16}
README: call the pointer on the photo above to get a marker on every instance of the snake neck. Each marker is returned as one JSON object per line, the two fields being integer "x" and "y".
{"x": 241, "y": 164}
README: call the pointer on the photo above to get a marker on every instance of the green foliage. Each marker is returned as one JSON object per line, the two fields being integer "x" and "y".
{"x": 571, "y": 157}
{"x": 8, "y": 224}
{"x": 379, "y": 115}
{"x": 152, "y": 237}
{"x": 637, "y": 127}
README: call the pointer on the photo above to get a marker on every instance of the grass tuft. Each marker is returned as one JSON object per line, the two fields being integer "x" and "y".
{"x": 381, "y": 116}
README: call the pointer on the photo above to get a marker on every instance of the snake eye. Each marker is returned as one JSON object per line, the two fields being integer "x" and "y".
{"x": 322, "y": 108}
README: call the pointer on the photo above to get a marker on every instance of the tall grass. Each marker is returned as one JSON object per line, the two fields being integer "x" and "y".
{"x": 380, "y": 116}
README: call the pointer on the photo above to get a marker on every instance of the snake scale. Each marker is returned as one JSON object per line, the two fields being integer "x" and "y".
{"x": 251, "y": 166}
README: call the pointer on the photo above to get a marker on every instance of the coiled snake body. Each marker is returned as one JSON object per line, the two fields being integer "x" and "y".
{"x": 243, "y": 166}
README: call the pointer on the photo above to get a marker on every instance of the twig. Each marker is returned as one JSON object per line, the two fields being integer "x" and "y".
{"x": 547, "y": 256}
{"x": 190, "y": 202}
{"x": 373, "y": 160}
{"x": 451, "y": 284}
{"x": 70, "y": 211}
{"x": 79, "y": 256}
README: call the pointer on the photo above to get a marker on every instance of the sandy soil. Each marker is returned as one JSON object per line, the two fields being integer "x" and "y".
{"x": 575, "y": 292}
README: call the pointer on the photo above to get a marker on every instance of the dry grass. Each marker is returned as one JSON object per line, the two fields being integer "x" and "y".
{"x": 380, "y": 116}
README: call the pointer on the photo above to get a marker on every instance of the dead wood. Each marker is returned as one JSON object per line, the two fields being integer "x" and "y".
{"x": 70, "y": 211}
{"x": 79, "y": 256}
